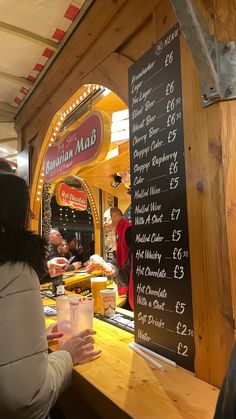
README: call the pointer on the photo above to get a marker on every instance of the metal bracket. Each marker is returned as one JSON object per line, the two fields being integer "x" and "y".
{"x": 216, "y": 62}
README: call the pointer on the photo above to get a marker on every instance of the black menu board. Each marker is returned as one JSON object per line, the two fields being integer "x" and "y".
{"x": 162, "y": 282}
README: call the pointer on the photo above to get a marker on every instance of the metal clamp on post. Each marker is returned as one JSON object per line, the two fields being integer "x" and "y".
{"x": 216, "y": 62}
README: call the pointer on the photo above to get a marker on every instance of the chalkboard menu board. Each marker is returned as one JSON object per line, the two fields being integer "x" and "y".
{"x": 162, "y": 282}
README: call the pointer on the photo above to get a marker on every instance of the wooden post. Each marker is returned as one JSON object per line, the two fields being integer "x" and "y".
{"x": 210, "y": 178}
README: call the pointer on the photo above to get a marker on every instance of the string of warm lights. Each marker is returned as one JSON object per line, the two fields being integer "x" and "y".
{"x": 78, "y": 102}
{"x": 40, "y": 187}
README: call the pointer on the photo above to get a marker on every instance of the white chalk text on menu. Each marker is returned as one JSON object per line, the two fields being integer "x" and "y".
{"x": 162, "y": 281}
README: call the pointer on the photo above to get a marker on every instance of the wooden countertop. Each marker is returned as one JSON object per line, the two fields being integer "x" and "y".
{"x": 138, "y": 388}
{"x": 120, "y": 383}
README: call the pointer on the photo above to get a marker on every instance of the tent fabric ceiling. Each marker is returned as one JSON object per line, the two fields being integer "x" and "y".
{"x": 31, "y": 32}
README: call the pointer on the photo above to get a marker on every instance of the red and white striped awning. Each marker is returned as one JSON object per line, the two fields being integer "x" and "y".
{"x": 31, "y": 33}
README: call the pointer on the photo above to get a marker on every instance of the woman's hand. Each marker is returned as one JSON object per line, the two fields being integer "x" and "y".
{"x": 76, "y": 265}
{"x": 108, "y": 269}
{"x": 81, "y": 347}
{"x": 56, "y": 266}
{"x": 52, "y": 332}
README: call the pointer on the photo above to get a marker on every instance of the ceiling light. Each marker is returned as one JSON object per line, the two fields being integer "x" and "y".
{"x": 116, "y": 180}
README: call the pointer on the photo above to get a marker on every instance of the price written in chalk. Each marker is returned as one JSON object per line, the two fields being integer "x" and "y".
{"x": 174, "y": 182}
{"x": 182, "y": 349}
{"x": 172, "y": 136}
{"x": 173, "y": 168}
{"x": 172, "y": 118}
{"x": 175, "y": 213}
{"x": 180, "y": 307}
{"x": 172, "y": 103}
{"x": 179, "y": 253}
{"x": 169, "y": 58}
{"x": 178, "y": 272}
{"x": 170, "y": 88}
{"x": 176, "y": 235}
{"x": 182, "y": 329}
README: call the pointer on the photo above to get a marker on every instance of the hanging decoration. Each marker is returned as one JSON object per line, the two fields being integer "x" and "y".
{"x": 46, "y": 210}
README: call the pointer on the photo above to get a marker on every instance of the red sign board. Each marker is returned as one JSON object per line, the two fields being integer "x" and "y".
{"x": 78, "y": 147}
{"x": 71, "y": 197}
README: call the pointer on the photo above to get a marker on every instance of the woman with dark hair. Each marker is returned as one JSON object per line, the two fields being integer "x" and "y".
{"x": 30, "y": 379}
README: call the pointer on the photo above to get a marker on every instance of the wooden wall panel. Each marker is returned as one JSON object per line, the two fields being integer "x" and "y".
{"x": 213, "y": 316}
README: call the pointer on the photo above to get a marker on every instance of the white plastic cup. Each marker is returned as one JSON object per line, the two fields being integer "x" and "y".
{"x": 63, "y": 318}
{"x": 81, "y": 314}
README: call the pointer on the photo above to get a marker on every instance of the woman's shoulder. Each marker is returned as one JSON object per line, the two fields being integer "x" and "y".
{"x": 17, "y": 277}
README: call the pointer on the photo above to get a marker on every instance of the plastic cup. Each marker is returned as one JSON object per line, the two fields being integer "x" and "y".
{"x": 97, "y": 284}
{"x": 63, "y": 318}
{"x": 81, "y": 314}
{"x": 108, "y": 302}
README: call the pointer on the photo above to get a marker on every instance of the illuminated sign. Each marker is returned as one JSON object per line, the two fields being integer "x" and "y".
{"x": 89, "y": 142}
{"x": 71, "y": 197}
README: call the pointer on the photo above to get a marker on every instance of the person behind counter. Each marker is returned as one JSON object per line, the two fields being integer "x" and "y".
{"x": 123, "y": 230}
{"x": 30, "y": 379}
{"x": 77, "y": 252}
{"x": 63, "y": 249}
{"x": 55, "y": 240}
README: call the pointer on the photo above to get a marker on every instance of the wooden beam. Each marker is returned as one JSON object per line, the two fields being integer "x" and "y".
{"x": 29, "y": 36}
{"x": 8, "y": 140}
{"x": 19, "y": 80}
{"x": 10, "y": 156}
{"x": 5, "y": 106}
{"x": 6, "y": 117}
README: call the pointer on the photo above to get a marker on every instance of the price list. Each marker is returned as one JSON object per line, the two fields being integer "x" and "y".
{"x": 162, "y": 281}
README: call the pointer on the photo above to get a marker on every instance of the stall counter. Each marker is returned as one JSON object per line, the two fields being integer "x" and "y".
{"x": 129, "y": 386}
{"x": 122, "y": 384}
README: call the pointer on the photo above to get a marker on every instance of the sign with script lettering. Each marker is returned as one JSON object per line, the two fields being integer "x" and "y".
{"x": 71, "y": 197}
{"x": 162, "y": 281}
{"x": 80, "y": 146}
